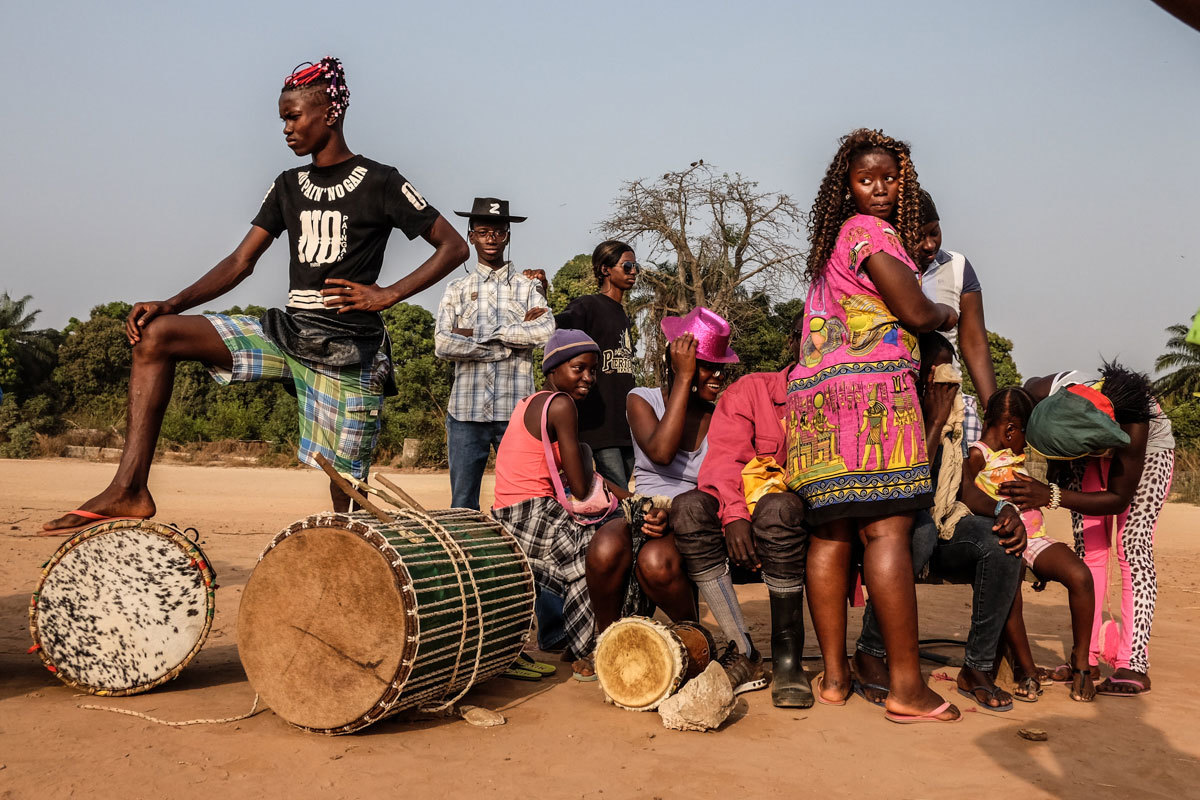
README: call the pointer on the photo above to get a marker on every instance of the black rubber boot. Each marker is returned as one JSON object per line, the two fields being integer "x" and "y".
{"x": 790, "y": 687}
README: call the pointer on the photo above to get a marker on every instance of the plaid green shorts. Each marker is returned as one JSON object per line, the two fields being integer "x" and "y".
{"x": 339, "y": 406}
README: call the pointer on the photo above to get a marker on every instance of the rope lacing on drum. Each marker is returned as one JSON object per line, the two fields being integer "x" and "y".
{"x": 460, "y": 562}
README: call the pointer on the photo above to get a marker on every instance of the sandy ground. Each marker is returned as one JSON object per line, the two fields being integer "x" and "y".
{"x": 561, "y": 740}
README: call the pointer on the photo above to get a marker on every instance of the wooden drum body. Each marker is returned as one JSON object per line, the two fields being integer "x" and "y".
{"x": 347, "y": 620}
{"x": 640, "y": 662}
{"x": 122, "y": 607}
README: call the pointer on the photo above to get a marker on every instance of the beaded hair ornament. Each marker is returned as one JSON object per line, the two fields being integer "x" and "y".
{"x": 327, "y": 71}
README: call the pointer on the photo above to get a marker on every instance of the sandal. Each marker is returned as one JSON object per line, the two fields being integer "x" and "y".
{"x": 860, "y": 689}
{"x": 992, "y": 693}
{"x": 1076, "y": 696}
{"x": 1028, "y": 690}
{"x": 928, "y": 716}
{"x": 527, "y": 662}
{"x": 1106, "y": 687}
{"x": 1054, "y": 675}
{"x": 517, "y": 673}
{"x": 584, "y": 670}
{"x": 819, "y": 685}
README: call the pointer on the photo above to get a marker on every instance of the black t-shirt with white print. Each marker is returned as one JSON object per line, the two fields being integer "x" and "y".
{"x": 602, "y": 421}
{"x": 338, "y": 220}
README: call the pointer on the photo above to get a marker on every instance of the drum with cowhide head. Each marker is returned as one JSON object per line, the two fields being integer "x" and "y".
{"x": 122, "y": 607}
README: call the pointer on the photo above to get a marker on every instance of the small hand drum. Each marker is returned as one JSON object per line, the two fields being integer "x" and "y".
{"x": 122, "y": 607}
{"x": 641, "y": 662}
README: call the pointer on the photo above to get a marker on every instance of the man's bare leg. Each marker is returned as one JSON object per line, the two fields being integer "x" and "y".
{"x": 341, "y": 500}
{"x": 165, "y": 341}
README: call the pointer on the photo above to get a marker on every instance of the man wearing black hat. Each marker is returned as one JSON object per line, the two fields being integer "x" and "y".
{"x": 488, "y": 324}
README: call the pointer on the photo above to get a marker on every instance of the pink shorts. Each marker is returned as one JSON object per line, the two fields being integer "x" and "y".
{"x": 1035, "y": 547}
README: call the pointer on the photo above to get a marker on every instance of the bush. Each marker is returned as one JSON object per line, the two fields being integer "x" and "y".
{"x": 22, "y": 442}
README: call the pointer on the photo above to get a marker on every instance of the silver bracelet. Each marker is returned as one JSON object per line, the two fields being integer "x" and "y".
{"x": 1055, "y": 497}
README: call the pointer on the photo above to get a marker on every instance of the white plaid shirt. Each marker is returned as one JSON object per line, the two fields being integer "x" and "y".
{"x": 493, "y": 369}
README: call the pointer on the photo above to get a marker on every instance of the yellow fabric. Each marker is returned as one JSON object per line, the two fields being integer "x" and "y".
{"x": 760, "y": 477}
{"x": 1005, "y": 465}
{"x": 947, "y": 510}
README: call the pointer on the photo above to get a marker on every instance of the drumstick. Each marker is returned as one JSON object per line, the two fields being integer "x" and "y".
{"x": 390, "y": 499}
{"x": 405, "y": 496}
{"x": 345, "y": 486}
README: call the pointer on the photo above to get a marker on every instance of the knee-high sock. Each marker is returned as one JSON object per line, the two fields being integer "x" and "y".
{"x": 722, "y": 601}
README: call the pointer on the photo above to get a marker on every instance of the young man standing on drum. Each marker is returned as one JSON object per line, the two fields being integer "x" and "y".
{"x": 488, "y": 323}
{"x": 330, "y": 341}
{"x": 741, "y": 511}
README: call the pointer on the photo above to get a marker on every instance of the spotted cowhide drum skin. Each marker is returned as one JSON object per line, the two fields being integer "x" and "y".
{"x": 122, "y": 607}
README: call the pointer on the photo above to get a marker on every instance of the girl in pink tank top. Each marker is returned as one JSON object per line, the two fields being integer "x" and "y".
{"x": 588, "y": 565}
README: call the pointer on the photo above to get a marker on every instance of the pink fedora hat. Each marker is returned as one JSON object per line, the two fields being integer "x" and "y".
{"x": 711, "y": 332}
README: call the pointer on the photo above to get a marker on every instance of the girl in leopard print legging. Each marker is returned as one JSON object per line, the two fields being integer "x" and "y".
{"x": 1126, "y": 646}
{"x": 1127, "y": 487}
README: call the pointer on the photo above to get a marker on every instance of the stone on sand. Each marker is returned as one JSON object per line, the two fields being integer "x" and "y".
{"x": 702, "y": 704}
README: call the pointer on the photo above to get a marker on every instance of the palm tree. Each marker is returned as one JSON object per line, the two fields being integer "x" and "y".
{"x": 1183, "y": 360}
{"x": 34, "y": 351}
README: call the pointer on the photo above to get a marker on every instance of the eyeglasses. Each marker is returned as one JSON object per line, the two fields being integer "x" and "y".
{"x": 630, "y": 267}
{"x": 487, "y": 234}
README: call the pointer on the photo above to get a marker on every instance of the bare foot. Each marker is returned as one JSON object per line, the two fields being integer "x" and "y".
{"x": 981, "y": 686}
{"x": 926, "y": 702}
{"x": 873, "y": 677}
{"x": 112, "y": 502}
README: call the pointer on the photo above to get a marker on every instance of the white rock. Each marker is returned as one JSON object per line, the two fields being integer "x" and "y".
{"x": 702, "y": 704}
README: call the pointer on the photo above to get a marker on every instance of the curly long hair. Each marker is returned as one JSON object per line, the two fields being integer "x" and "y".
{"x": 833, "y": 204}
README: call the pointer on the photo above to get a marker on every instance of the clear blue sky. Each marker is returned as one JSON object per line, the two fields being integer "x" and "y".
{"x": 1059, "y": 139}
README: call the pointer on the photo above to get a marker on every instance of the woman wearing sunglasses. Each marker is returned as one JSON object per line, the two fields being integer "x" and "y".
{"x": 602, "y": 316}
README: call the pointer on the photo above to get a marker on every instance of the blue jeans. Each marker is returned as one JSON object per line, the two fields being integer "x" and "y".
{"x": 615, "y": 463}
{"x": 972, "y": 555}
{"x": 468, "y": 445}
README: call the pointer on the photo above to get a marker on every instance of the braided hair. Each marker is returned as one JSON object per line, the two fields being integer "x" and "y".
{"x": 1130, "y": 393}
{"x": 326, "y": 74}
{"x": 1011, "y": 402}
{"x": 833, "y": 204}
{"x": 606, "y": 256}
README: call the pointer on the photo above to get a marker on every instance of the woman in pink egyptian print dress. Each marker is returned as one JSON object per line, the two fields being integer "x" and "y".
{"x": 856, "y": 451}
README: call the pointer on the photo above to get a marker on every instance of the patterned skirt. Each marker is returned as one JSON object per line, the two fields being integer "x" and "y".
{"x": 856, "y": 442}
{"x": 556, "y": 546}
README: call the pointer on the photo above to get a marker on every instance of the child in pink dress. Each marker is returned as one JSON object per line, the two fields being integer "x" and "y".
{"x": 997, "y": 457}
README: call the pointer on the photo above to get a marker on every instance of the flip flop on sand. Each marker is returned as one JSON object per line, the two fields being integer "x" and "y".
{"x": 860, "y": 689}
{"x": 819, "y": 685}
{"x": 584, "y": 670}
{"x": 1105, "y": 687}
{"x": 516, "y": 673}
{"x": 928, "y": 716}
{"x": 1055, "y": 675}
{"x": 92, "y": 519}
{"x": 526, "y": 662}
{"x": 1028, "y": 690}
{"x": 991, "y": 693}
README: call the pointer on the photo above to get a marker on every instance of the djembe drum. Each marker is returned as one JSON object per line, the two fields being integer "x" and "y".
{"x": 122, "y": 607}
{"x": 347, "y": 620}
{"x": 640, "y": 661}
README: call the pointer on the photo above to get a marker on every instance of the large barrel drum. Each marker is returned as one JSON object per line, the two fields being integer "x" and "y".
{"x": 122, "y": 607}
{"x": 347, "y": 620}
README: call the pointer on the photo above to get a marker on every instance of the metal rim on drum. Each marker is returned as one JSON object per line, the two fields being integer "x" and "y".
{"x": 196, "y": 560}
{"x": 395, "y": 650}
{"x": 627, "y": 654}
